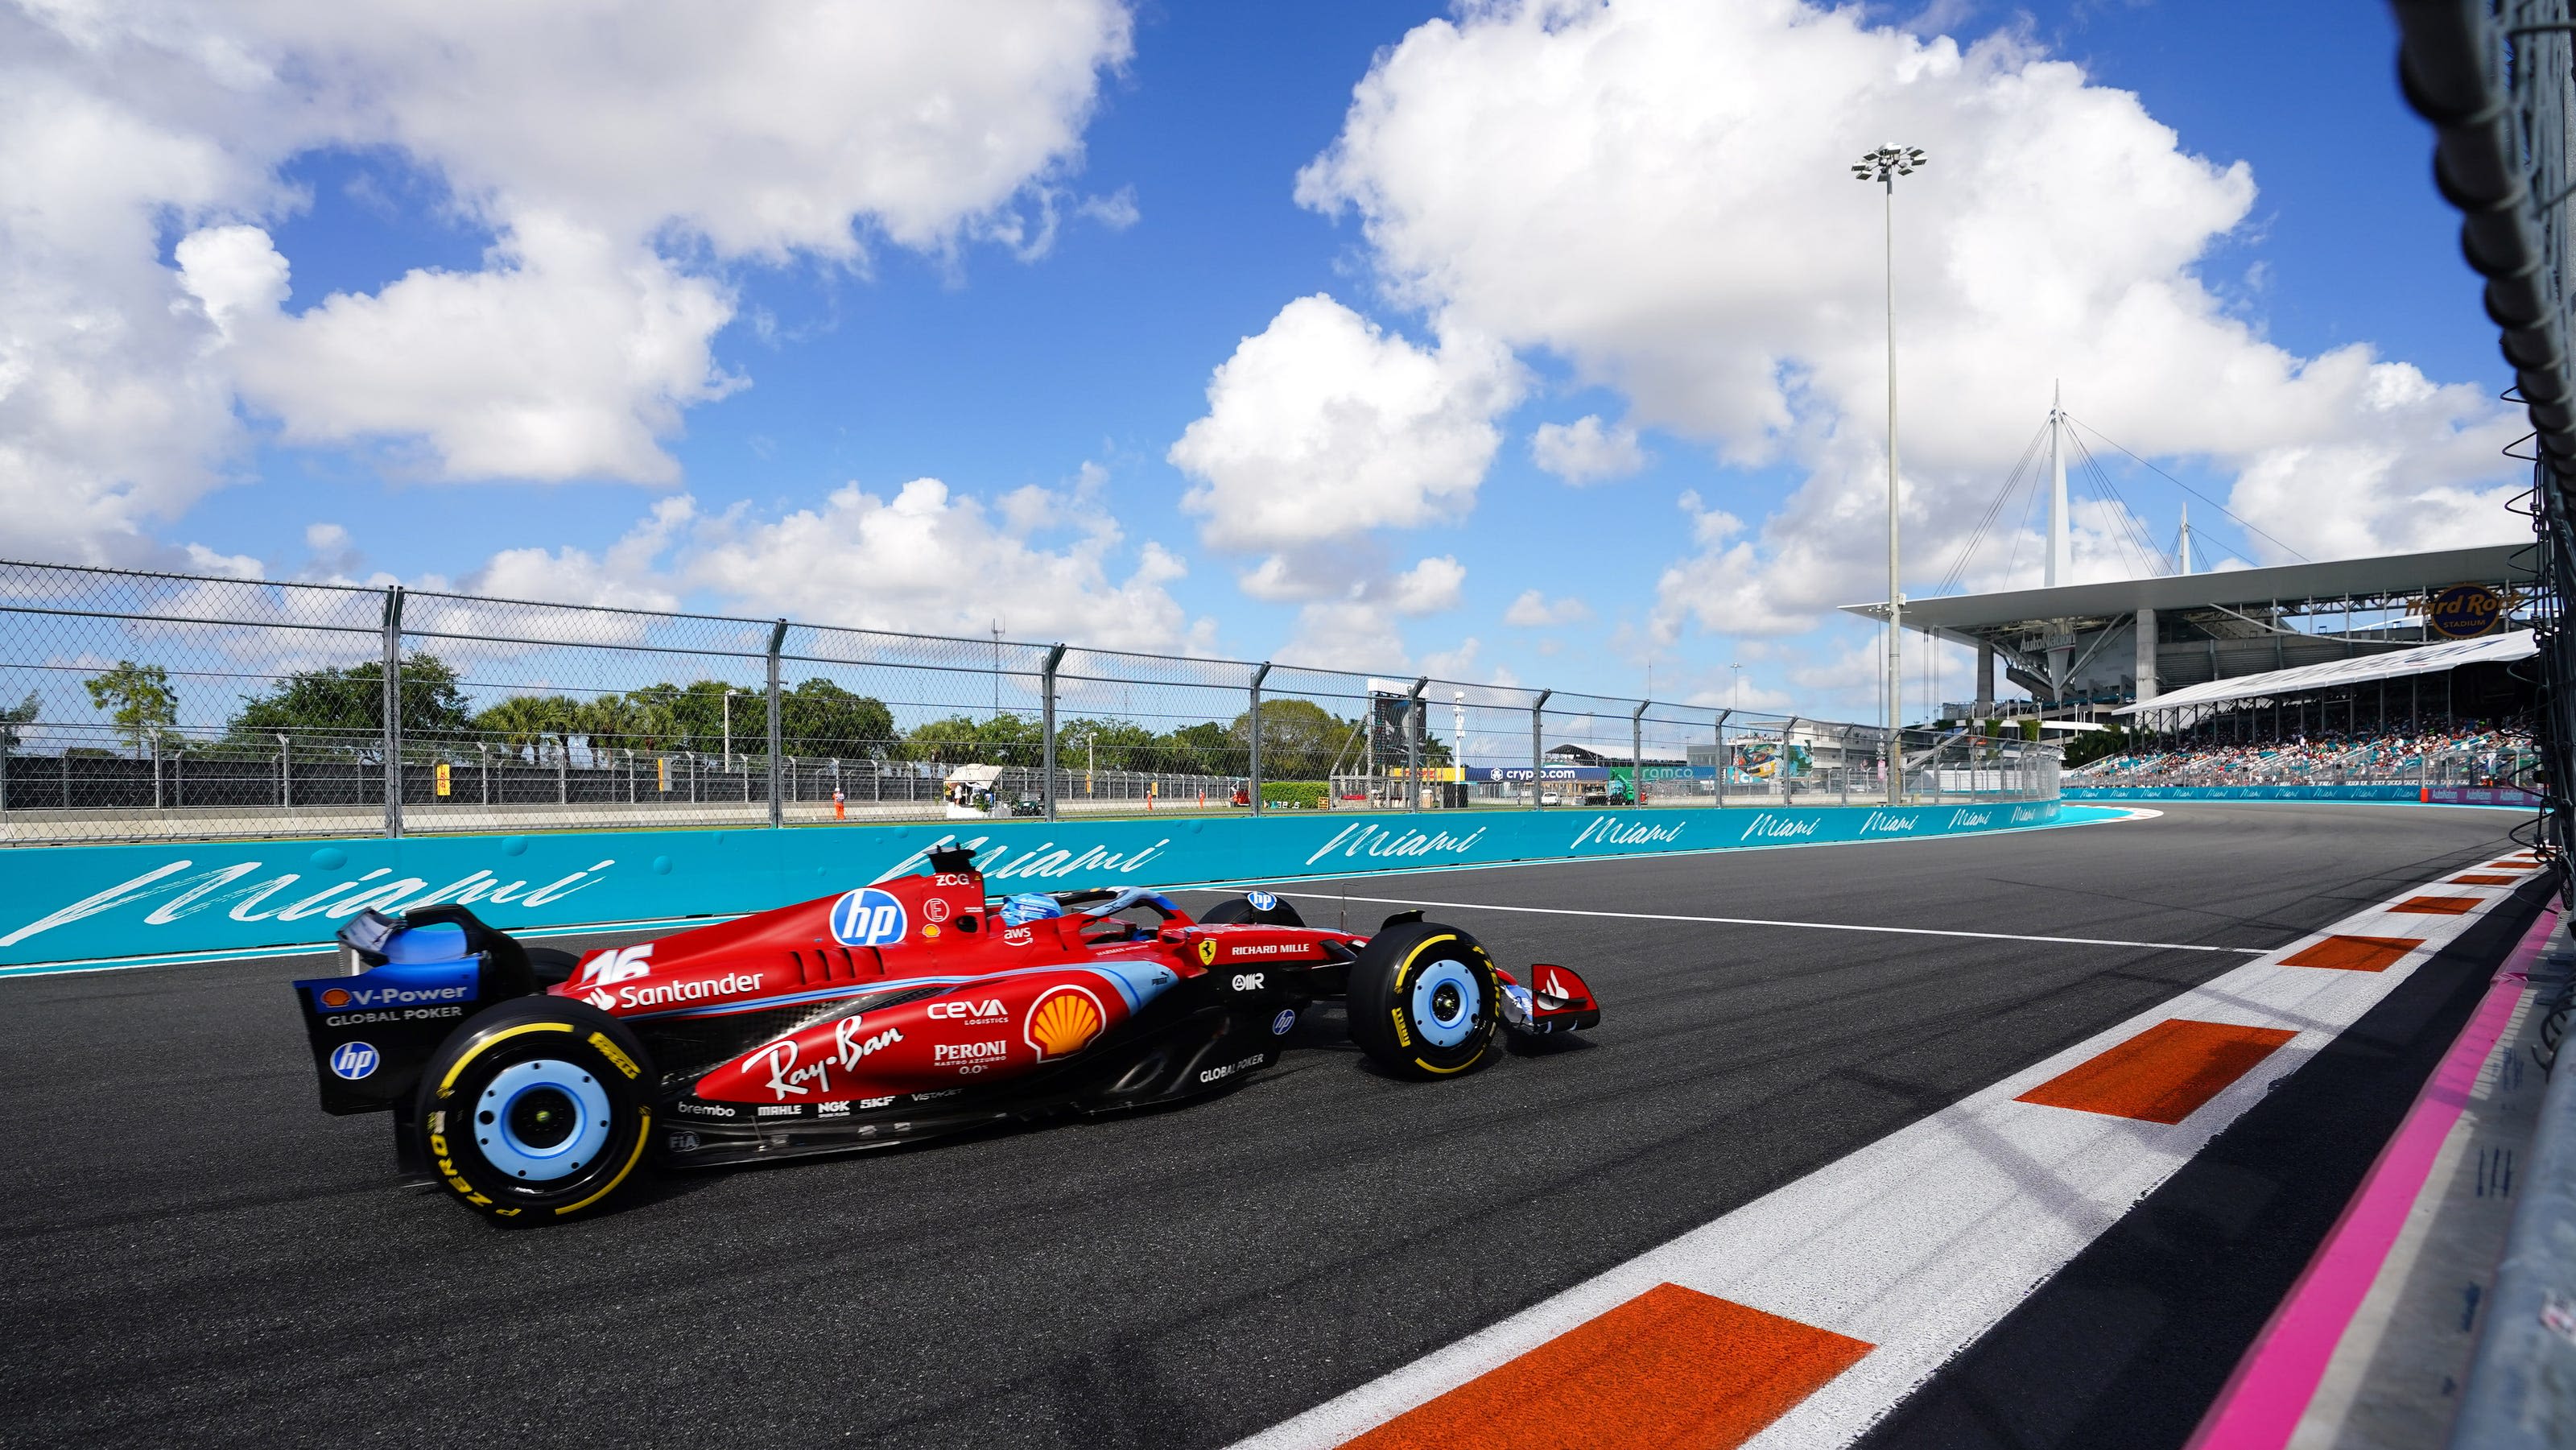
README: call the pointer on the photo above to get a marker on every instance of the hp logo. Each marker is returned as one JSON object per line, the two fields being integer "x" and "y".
{"x": 354, "y": 1060}
{"x": 867, "y": 917}
{"x": 1262, "y": 900}
{"x": 1286, "y": 1019}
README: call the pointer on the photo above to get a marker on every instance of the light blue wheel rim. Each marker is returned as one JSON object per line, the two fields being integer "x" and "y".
{"x": 530, "y": 1163}
{"x": 1451, "y": 1030}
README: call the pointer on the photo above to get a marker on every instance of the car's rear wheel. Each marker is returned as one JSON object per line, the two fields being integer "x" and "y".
{"x": 537, "y": 1110}
{"x": 1253, "y": 906}
{"x": 1424, "y": 1000}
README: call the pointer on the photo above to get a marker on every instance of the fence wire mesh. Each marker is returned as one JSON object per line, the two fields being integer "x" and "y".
{"x": 143, "y": 706}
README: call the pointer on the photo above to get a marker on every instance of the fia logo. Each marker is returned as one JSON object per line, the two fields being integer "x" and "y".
{"x": 354, "y": 1060}
{"x": 868, "y": 917}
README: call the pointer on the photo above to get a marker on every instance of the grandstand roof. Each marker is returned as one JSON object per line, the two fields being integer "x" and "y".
{"x": 2429, "y": 659}
{"x": 2334, "y": 579}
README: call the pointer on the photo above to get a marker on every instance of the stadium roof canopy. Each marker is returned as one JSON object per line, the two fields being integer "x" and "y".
{"x": 2425, "y": 660}
{"x": 2387, "y": 575}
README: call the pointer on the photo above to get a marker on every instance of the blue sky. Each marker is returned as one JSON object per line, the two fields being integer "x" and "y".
{"x": 1072, "y": 368}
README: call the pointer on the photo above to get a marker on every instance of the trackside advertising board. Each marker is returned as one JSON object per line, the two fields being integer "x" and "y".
{"x": 85, "y": 903}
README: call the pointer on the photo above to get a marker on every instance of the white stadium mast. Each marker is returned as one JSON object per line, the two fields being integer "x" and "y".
{"x": 2061, "y": 552}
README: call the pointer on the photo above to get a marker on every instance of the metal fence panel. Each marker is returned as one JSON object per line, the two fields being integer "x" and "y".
{"x": 137, "y": 706}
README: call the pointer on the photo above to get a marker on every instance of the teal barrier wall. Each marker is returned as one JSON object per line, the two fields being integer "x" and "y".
{"x": 2440, "y": 795}
{"x": 81, "y": 903}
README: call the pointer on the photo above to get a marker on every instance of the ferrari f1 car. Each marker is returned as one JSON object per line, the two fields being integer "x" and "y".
{"x": 534, "y": 1083}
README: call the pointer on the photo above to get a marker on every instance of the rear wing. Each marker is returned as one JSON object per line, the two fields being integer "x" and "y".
{"x": 411, "y": 982}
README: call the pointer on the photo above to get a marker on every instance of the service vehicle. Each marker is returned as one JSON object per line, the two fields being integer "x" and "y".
{"x": 535, "y": 1083}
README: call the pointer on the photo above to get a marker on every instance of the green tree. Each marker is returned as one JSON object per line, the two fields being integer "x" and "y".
{"x": 1299, "y": 738}
{"x": 623, "y": 722}
{"x": 22, "y": 713}
{"x": 1209, "y": 749}
{"x": 345, "y": 706}
{"x": 1004, "y": 739}
{"x": 1111, "y": 744}
{"x": 139, "y": 700}
{"x": 820, "y": 718}
{"x": 527, "y": 724}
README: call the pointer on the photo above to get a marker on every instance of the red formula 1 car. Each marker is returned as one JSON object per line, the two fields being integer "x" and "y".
{"x": 534, "y": 1083}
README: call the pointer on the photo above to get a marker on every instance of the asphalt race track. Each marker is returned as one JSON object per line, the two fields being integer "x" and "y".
{"x": 195, "y": 1255}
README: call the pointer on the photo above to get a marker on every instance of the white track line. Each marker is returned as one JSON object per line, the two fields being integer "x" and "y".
{"x": 2072, "y": 941}
{"x": 1920, "y": 1242}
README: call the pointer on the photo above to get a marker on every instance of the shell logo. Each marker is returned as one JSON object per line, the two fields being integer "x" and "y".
{"x": 334, "y": 997}
{"x": 1063, "y": 1022}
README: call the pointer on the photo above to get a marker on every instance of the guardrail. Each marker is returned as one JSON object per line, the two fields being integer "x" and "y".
{"x": 2521, "y": 1390}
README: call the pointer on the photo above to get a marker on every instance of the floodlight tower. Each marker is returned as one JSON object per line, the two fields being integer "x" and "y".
{"x": 1883, "y": 166}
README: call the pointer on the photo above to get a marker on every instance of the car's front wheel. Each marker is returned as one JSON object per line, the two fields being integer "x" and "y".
{"x": 537, "y": 1110}
{"x": 1424, "y": 1000}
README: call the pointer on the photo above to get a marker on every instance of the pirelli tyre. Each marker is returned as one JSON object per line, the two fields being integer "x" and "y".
{"x": 1253, "y": 906}
{"x": 537, "y": 1110}
{"x": 1424, "y": 1001}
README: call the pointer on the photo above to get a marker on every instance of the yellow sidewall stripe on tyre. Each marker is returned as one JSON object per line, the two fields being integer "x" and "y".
{"x": 447, "y": 1084}
{"x": 643, "y": 1135}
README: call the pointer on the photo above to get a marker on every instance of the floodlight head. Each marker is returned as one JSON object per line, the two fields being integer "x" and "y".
{"x": 1887, "y": 162}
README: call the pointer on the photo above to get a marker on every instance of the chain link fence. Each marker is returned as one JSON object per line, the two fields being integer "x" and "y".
{"x": 144, "y": 706}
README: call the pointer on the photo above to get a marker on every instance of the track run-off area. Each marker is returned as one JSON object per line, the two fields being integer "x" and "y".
{"x": 197, "y": 1255}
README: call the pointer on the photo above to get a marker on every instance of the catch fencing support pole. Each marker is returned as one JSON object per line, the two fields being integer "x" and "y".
{"x": 392, "y": 741}
{"x": 1721, "y": 757}
{"x": 777, "y": 732}
{"x": 1538, "y": 707}
{"x": 1637, "y": 755}
{"x": 1254, "y": 720}
{"x": 1413, "y": 745}
{"x": 1046, "y": 714}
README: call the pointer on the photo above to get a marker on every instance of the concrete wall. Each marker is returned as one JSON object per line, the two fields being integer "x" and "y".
{"x": 80, "y": 903}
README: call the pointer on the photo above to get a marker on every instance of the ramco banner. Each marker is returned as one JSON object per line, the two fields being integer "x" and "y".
{"x": 82, "y": 903}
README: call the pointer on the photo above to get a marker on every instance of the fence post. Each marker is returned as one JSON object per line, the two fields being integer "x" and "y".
{"x": 1254, "y": 721}
{"x": 1780, "y": 763}
{"x": 391, "y": 743}
{"x": 1721, "y": 757}
{"x": 1413, "y": 745}
{"x": 1538, "y": 785}
{"x": 1637, "y": 755}
{"x": 777, "y": 732}
{"x": 1046, "y": 718}
{"x": 285, "y": 773}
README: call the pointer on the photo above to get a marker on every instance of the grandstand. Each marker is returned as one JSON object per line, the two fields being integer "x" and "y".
{"x": 2263, "y": 653}
{"x": 2465, "y": 754}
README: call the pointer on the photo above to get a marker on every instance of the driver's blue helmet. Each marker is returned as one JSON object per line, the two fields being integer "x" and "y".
{"x": 1030, "y": 906}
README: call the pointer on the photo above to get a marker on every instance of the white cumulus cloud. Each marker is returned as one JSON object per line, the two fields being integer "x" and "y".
{"x": 1325, "y": 426}
{"x": 1657, "y": 191}
{"x": 620, "y": 156}
{"x": 1585, "y": 451}
{"x": 1533, "y": 610}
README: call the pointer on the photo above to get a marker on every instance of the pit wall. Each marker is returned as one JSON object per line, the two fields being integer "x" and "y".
{"x": 2438, "y": 795}
{"x": 77, "y": 904}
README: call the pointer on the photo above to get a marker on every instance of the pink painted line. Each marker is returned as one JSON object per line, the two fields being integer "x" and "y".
{"x": 2273, "y": 1384}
